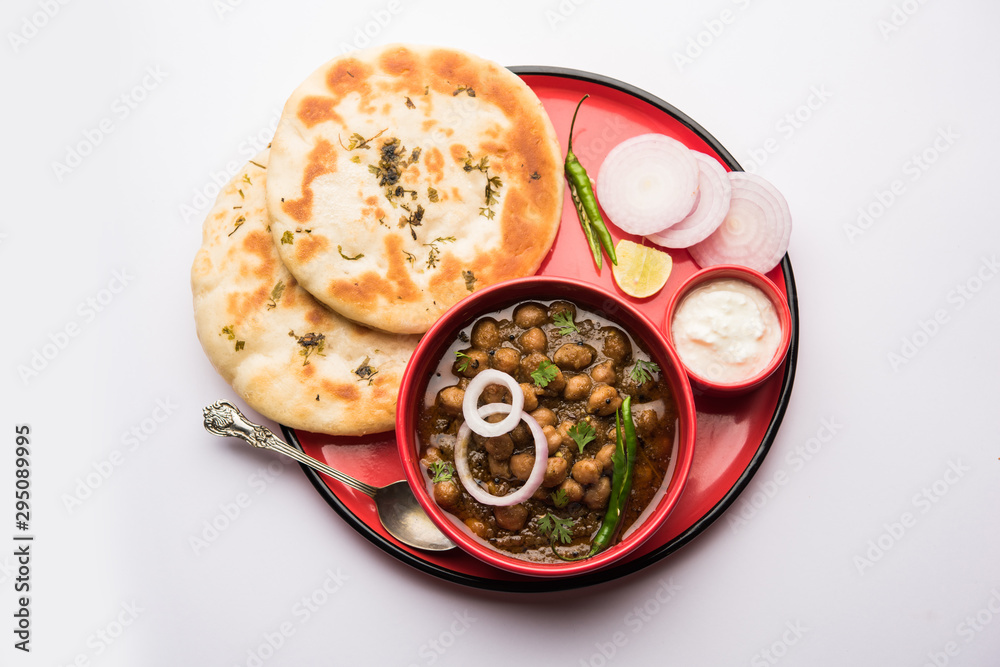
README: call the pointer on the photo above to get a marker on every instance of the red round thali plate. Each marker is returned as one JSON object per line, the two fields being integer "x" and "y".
{"x": 733, "y": 434}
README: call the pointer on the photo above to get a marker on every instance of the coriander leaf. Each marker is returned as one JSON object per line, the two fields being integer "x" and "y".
{"x": 564, "y": 320}
{"x": 555, "y": 528}
{"x": 559, "y": 498}
{"x": 465, "y": 360}
{"x": 442, "y": 471}
{"x": 545, "y": 373}
{"x": 643, "y": 370}
{"x": 288, "y": 238}
{"x": 582, "y": 434}
{"x": 279, "y": 289}
{"x": 470, "y": 280}
{"x": 341, "y": 251}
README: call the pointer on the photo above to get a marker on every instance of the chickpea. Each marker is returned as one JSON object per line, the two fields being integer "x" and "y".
{"x": 604, "y": 400}
{"x": 450, "y": 400}
{"x": 521, "y": 465}
{"x": 587, "y": 471}
{"x": 564, "y": 428}
{"x": 447, "y": 494}
{"x": 471, "y": 363}
{"x": 485, "y": 334}
{"x": 553, "y": 437}
{"x": 596, "y": 497}
{"x": 500, "y": 447}
{"x": 573, "y": 490}
{"x": 495, "y": 393}
{"x": 531, "y": 362}
{"x": 645, "y": 422}
{"x": 512, "y": 517}
{"x": 530, "y": 397}
{"x": 544, "y": 417}
{"x": 505, "y": 359}
{"x": 604, "y": 372}
{"x": 498, "y": 467}
{"x": 478, "y": 527}
{"x": 431, "y": 455}
{"x": 660, "y": 446}
{"x": 617, "y": 346}
{"x": 604, "y": 455}
{"x": 577, "y": 387}
{"x": 521, "y": 435}
{"x": 558, "y": 307}
{"x": 573, "y": 357}
{"x": 529, "y": 315}
{"x": 642, "y": 475}
{"x": 556, "y": 472}
{"x": 533, "y": 340}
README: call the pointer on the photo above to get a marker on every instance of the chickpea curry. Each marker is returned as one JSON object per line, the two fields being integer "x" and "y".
{"x": 603, "y": 417}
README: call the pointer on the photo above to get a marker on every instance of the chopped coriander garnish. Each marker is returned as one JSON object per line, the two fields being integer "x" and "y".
{"x": 276, "y": 292}
{"x": 237, "y": 224}
{"x": 493, "y": 183}
{"x": 310, "y": 343}
{"x": 545, "y": 373}
{"x": 643, "y": 370}
{"x": 231, "y": 335}
{"x": 564, "y": 320}
{"x": 288, "y": 238}
{"x": 366, "y": 371}
{"x": 358, "y": 141}
{"x": 582, "y": 434}
{"x": 358, "y": 256}
{"x": 559, "y": 498}
{"x": 555, "y": 528}
{"x": 470, "y": 280}
{"x": 432, "y": 256}
{"x": 442, "y": 471}
{"x": 465, "y": 361}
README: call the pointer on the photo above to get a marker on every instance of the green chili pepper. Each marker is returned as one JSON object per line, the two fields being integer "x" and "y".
{"x": 582, "y": 193}
{"x": 623, "y": 461}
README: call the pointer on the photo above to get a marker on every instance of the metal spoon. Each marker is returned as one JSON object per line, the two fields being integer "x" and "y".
{"x": 397, "y": 507}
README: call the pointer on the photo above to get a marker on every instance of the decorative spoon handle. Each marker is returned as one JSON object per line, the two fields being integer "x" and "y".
{"x": 225, "y": 419}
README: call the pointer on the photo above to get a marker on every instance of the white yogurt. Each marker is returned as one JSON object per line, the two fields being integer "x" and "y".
{"x": 726, "y": 331}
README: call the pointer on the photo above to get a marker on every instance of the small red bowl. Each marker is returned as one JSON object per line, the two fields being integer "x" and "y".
{"x": 434, "y": 345}
{"x": 699, "y": 380}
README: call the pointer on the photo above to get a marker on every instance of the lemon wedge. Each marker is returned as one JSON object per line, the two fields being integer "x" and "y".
{"x": 641, "y": 271}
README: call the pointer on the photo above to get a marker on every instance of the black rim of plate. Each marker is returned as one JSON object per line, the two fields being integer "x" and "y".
{"x": 613, "y": 572}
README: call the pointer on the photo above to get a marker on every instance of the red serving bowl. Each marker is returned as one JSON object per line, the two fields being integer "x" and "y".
{"x": 489, "y": 300}
{"x": 758, "y": 280}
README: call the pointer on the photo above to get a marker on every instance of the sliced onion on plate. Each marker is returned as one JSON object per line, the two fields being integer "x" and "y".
{"x": 756, "y": 230}
{"x": 714, "y": 195}
{"x": 472, "y": 417}
{"x": 537, "y": 470}
{"x": 648, "y": 183}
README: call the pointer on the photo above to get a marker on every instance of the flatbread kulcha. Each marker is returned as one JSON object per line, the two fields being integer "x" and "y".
{"x": 288, "y": 356}
{"x": 404, "y": 177}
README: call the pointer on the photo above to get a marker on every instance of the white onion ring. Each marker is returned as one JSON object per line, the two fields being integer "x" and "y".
{"x": 756, "y": 230}
{"x": 648, "y": 183}
{"x": 482, "y": 380}
{"x": 714, "y": 194}
{"x": 537, "y": 471}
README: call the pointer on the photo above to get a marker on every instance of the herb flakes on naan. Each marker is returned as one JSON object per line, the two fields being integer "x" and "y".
{"x": 402, "y": 178}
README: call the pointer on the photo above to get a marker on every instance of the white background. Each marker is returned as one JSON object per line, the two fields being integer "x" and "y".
{"x": 881, "y": 549}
